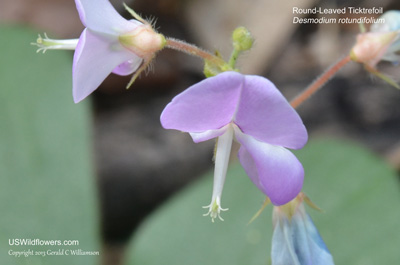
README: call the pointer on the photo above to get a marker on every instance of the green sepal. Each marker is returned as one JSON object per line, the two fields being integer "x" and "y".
{"x": 384, "y": 77}
{"x": 213, "y": 69}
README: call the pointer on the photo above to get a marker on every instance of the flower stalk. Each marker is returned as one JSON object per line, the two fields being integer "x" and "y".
{"x": 242, "y": 41}
{"x": 194, "y": 51}
{"x": 319, "y": 82}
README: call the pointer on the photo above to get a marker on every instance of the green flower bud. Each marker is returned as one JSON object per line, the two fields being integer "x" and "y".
{"x": 242, "y": 39}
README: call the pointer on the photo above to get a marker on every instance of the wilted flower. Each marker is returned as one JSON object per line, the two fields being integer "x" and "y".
{"x": 296, "y": 240}
{"x": 392, "y": 24}
{"x": 253, "y": 111}
{"x": 372, "y": 47}
{"x": 109, "y": 43}
{"x": 381, "y": 43}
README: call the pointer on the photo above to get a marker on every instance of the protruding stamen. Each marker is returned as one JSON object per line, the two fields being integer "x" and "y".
{"x": 46, "y": 43}
{"x": 214, "y": 209}
{"x": 223, "y": 151}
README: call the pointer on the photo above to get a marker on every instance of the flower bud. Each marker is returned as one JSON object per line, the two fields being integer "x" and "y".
{"x": 242, "y": 39}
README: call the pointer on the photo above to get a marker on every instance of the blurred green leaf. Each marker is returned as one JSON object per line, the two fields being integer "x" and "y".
{"x": 358, "y": 192}
{"x": 47, "y": 188}
{"x": 360, "y": 196}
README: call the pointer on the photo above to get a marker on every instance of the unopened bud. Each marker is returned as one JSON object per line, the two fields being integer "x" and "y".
{"x": 242, "y": 39}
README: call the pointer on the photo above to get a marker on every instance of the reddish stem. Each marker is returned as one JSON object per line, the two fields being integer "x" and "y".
{"x": 319, "y": 82}
{"x": 193, "y": 50}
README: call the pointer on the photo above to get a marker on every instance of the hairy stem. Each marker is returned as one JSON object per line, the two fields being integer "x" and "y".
{"x": 319, "y": 82}
{"x": 193, "y": 50}
{"x": 234, "y": 57}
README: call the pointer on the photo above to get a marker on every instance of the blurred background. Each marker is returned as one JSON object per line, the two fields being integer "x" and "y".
{"x": 138, "y": 164}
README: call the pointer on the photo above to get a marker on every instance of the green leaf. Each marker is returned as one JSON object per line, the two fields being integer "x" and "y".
{"x": 360, "y": 196}
{"x": 357, "y": 191}
{"x": 47, "y": 187}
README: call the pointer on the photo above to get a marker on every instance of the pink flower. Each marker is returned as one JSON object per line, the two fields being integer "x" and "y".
{"x": 382, "y": 43}
{"x": 253, "y": 111}
{"x": 372, "y": 47}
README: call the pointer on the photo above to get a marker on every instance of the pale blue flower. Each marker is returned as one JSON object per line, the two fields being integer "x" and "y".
{"x": 296, "y": 240}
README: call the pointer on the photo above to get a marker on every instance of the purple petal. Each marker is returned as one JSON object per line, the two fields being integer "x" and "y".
{"x": 128, "y": 67}
{"x": 265, "y": 114}
{"x": 100, "y": 16}
{"x": 207, "y": 135}
{"x": 208, "y": 105}
{"x": 94, "y": 59}
{"x": 273, "y": 169}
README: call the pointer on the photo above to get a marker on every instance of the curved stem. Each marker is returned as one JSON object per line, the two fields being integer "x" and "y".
{"x": 319, "y": 82}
